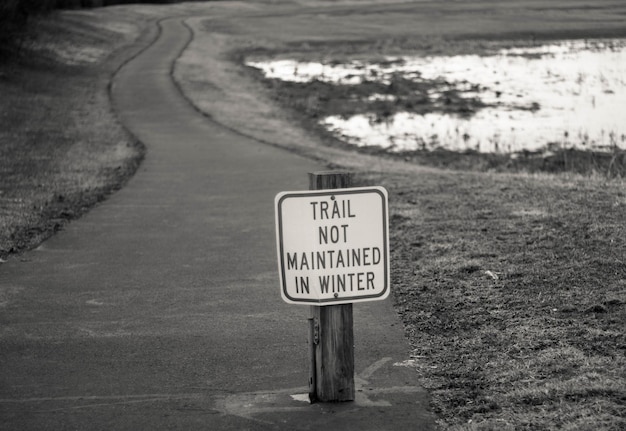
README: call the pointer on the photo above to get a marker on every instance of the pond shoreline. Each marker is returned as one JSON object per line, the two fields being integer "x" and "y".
{"x": 412, "y": 106}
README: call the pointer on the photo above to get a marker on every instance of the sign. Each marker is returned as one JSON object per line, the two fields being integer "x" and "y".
{"x": 333, "y": 245}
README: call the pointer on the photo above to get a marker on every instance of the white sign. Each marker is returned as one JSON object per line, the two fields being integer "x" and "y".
{"x": 333, "y": 245}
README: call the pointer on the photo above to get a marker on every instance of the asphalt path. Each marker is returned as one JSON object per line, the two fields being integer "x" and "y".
{"x": 160, "y": 308}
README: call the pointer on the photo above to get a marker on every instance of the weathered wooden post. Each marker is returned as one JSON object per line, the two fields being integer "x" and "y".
{"x": 331, "y": 334}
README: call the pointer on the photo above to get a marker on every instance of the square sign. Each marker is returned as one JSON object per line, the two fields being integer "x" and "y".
{"x": 333, "y": 245}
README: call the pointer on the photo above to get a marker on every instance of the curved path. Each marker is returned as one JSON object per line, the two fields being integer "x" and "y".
{"x": 160, "y": 308}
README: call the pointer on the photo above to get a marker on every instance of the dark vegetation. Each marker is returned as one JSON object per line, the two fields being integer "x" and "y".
{"x": 62, "y": 149}
{"x": 15, "y": 15}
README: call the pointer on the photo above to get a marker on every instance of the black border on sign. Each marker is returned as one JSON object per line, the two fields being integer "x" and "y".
{"x": 333, "y": 192}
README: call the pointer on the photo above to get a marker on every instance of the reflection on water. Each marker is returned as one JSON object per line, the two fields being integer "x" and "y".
{"x": 565, "y": 94}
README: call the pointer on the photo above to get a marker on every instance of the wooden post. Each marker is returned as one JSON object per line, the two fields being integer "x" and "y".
{"x": 331, "y": 377}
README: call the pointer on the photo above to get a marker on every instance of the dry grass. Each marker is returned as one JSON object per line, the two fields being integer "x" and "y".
{"x": 513, "y": 293}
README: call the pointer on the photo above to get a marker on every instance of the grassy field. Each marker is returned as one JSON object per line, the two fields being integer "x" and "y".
{"x": 512, "y": 286}
{"x": 512, "y": 290}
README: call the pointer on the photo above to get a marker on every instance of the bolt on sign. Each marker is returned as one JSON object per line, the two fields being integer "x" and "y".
{"x": 333, "y": 245}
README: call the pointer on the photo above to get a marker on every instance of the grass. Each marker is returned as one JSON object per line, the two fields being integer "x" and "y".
{"x": 62, "y": 149}
{"x": 513, "y": 292}
{"x": 511, "y": 286}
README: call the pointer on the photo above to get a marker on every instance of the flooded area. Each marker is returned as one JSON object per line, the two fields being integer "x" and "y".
{"x": 566, "y": 94}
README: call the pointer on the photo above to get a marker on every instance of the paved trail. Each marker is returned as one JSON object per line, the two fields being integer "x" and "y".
{"x": 160, "y": 308}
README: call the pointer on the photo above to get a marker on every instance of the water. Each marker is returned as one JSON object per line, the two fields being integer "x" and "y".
{"x": 567, "y": 94}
